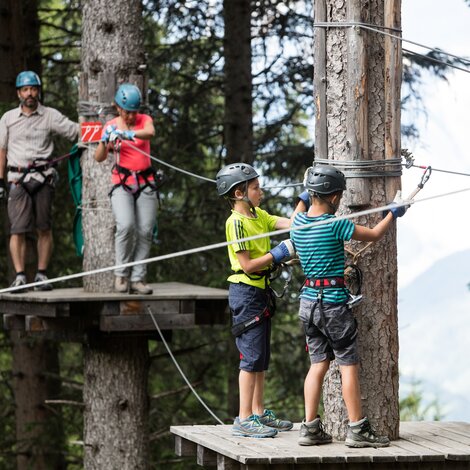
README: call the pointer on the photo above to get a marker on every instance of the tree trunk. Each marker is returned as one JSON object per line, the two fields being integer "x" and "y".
{"x": 116, "y": 404}
{"x": 352, "y": 90}
{"x": 112, "y": 53}
{"x": 116, "y": 368}
{"x": 238, "y": 129}
{"x": 238, "y": 126}
{"x": 19, "y": 43}
{"x": 39, "y": 431}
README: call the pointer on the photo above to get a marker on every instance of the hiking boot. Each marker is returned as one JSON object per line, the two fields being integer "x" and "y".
{"x": 268, "y": 418}
{"x": 43, "y": 287}
{"x": 312, "y": 433}
{"x": 121, "y": 285}
{"x": 364, "y": 435}
{"x": 140, "y": 287}
{"x": 20, "y": 280}
{"x": 251, "y": 427}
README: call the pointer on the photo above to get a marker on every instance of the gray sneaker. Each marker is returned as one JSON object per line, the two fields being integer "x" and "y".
{"x": 268, "y": 418}
{"x": 40, "y": 277}
{"x": 141, "y": 288}
{"x": 121, "y": 284}
{"x": 251, "y": 427}
{"x": 364, "y": 435}
{"x": 20, "y": 280}
{"x": 312, "y": 433}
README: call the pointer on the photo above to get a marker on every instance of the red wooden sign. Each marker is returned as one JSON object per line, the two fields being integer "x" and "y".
{"x": 91, "y": 131}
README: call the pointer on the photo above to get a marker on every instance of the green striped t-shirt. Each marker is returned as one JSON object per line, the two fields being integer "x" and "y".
{"x": 321, "y": 252}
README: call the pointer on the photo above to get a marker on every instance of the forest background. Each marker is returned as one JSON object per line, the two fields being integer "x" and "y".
{"x": 185, "y": 69}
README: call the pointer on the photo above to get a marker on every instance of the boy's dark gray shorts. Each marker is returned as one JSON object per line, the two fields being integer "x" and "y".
{"x": 254, "y": 345}
{"x": 340, "y": 323}
{"x": 30, "y": 207}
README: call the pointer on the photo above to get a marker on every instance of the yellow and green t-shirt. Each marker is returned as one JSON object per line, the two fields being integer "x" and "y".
{"x": 239, "y": 226}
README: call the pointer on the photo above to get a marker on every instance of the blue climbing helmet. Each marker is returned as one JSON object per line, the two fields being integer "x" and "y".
{"x": 324, "y": 179}
{"x": 27, "y": 78}
{"x": 232, "y": 175}
{"x": 128, "y": 97}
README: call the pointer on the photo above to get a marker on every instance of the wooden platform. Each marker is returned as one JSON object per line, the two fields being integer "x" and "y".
{"x": 70, "y": 313}
{"x": 422, "y": 445}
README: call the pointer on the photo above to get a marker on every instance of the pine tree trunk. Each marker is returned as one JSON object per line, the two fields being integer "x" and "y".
{"x": 354, "y": 129}
{"x": 112, "y": 53}
{"x": 116, "y": 404}
{"x": 39, "y": 431}
{"x": 116, "y": 368}
{"x": 238, "y": 129}
{"x": 238, "y": 126}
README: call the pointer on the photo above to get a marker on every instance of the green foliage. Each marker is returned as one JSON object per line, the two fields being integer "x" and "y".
{"x": 412, "y": 407}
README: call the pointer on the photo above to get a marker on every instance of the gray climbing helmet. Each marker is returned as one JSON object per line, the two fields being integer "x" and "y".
{"x": 324, "y": 179}
{"x": 231, "y": 175}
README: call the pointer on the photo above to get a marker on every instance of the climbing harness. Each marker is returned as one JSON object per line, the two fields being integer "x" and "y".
{"x": 268, "y": 312}
{"x": 312, "y": 329}
{"x": 153, "y": 179}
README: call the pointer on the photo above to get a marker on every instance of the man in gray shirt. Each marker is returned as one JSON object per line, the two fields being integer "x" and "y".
{"x": 26, "y": 148}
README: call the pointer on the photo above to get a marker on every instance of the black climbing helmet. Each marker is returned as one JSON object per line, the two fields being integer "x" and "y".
{"x": 231, "y": 175}
{"x": 324, "y": 179}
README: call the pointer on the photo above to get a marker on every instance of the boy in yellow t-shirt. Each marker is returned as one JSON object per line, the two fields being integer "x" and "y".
{"x": 250, "y": 295}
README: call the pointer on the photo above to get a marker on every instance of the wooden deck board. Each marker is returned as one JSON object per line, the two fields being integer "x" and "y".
{"x": 175, "y": 305}
{"x": 164, "y": 290}
{"x": 437, "y": 443}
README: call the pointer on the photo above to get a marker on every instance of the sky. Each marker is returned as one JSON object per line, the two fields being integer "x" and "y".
{"x": 433, "y": 239}
{"x": 435, "y": 229}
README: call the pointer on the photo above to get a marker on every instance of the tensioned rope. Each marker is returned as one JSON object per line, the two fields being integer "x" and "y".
{"x": 225, "y": 244}
{"x": 378, "y": 29}
{"x": 188, "y": 383}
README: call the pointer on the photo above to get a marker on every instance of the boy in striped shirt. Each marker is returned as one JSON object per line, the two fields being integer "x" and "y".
{"x": 329, "y": 325}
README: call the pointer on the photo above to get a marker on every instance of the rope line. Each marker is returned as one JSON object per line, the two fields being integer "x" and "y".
{"x": 179, "y": 368}
{"x": 214, "y": 246}
{"x": 375, "y": 28}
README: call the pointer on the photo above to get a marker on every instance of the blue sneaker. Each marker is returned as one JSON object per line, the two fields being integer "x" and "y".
{"x": 268, "y": 418}
{"x": 251, "y": 427}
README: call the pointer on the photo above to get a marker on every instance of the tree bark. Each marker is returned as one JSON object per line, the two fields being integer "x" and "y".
{"x": 116, "y": 368}
{"x": 238, "y": 126}
{"x": 116, "y": 404}
{"x": 112, "y": 53}
{"x": 355, "y": 130}
{"x": 238, "y": 129}
{"x": 39, "y": 431}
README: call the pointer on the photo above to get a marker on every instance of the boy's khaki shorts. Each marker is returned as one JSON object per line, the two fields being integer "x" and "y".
{"x": 340, "y": 322}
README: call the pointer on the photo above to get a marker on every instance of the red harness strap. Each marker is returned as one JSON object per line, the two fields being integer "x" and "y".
{"x": 325, "y": 282}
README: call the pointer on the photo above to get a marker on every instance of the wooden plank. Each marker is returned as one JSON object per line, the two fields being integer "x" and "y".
{"x": 453, "y": 430}
{"x": 145, "y": 322}
{"x": 136, "y": 306}
{"x": 206, "y": 457}
{"x": 457, "y": 450}
{"x": 184, "y": 447}
{"x": 39, "y": 309}
{"x": 164, "y": 290}
{"x": 219, "y": 439}
{"x": 437, "y": 444}
{"x": 13, "y": 322}
{"x": 226, "y": 463}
